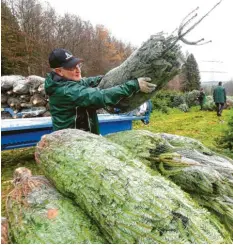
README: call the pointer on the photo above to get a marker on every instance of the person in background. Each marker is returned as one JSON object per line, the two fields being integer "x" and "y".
{"x": 145, "y": 110}
{"x": 219, "y": 97}
{"x": 202, "y": 98}
{"x": 73, "y": 100}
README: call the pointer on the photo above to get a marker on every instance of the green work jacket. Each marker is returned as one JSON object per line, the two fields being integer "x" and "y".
{"x": 74, "y": 104}
{"x": 219, "y": 95}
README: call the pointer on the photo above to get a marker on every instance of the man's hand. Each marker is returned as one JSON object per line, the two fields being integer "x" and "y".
{"x": 146, "y": 87}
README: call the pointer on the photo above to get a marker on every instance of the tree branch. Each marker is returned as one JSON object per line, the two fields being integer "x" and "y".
{"x": 183, "y": 25}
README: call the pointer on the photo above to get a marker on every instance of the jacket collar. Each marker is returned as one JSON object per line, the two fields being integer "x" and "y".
{"x": 57, "y": 78}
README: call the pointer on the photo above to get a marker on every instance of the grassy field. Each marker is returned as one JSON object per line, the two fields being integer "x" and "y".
{"x": 203, "y": 126}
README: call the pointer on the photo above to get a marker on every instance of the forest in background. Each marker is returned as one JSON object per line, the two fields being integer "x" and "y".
{"x": 31, "y": 30}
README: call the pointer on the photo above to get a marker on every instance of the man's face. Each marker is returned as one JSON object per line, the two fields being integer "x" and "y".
{"x": 73, "y": 73}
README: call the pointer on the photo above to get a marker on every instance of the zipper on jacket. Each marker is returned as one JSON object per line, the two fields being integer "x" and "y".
{"x": 88, "y": 120}
{"x": 76, "y": 108}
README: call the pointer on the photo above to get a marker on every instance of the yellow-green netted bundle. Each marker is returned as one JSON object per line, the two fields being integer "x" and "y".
{"x": 207, "y": 176}
{"x": 129, "y": 202}
{"x": 39, "y": 214}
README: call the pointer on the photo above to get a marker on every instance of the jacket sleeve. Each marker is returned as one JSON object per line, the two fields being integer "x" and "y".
{"x": 91, "y": 81}
{"x": 85, "y": 97}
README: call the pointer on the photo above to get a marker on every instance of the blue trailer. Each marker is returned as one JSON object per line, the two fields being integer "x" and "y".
{"x": 26, "y": 132}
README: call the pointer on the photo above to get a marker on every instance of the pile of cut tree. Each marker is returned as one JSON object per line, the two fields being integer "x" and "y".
{"x": 132, "y": 187}
{"x": 24, "y": 95}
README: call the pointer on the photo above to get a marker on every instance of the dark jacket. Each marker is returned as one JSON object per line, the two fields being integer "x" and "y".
{"x": 74, "y": 104}
{"x": 202, "y": 97}
{"x": 219, "y": 95}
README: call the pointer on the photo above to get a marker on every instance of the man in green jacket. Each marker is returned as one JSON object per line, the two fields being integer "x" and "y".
{"x": 219, "y": 97}
{"x": 73, "y": 100}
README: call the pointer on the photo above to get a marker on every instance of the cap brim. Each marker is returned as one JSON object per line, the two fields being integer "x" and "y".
{"x": 72, "y": 62}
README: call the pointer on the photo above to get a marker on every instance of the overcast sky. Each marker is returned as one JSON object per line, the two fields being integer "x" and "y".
{"x": 135, "y": 21}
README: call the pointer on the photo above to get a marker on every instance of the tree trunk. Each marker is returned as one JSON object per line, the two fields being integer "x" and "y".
{"x": 157, "y": 58}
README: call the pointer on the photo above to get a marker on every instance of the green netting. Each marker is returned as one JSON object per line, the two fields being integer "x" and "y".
{"x": 39, "y": 214}
{"x": 191, "y": 98}
{"x": 207, "y": 176}
{"x": 159, "y": 58}
{"x": 183, "y": 107}
{"x": 128, "y": 200}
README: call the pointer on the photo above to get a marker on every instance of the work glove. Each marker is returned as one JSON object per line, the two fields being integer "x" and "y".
{"x": 146, "y": 87}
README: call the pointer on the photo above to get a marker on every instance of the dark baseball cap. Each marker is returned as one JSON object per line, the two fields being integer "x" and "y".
{"x": 60, "y": 57}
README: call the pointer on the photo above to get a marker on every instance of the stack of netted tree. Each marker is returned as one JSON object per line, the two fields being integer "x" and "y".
{"x": 24, "y": 95}
{"x": 144, "y": 189}
{"x": 205, "y": 175}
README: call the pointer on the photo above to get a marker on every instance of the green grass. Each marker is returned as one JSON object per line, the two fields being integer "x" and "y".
{"x": 204, "y": 126}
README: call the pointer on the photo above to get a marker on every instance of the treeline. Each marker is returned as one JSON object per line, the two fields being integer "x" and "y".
{"x": 229, "y": 87}
{"x": 209, "y": 89}
{"x": 30, "y": 30}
